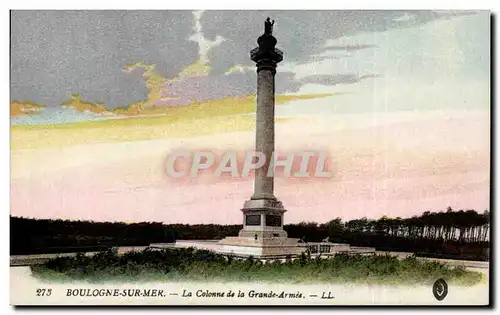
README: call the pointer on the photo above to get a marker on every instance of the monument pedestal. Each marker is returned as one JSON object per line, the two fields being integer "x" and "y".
{"x": 271, "y": 248}
{"x": 263, "y": 218}
{"x": 262, "y": 235}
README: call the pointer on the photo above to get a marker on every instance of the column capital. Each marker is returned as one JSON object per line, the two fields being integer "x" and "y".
{"x": 261, "y": 53}
{"x": 266, "y": 64}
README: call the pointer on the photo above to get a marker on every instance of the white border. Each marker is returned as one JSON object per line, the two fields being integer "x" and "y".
{"x": 256, "y": 4}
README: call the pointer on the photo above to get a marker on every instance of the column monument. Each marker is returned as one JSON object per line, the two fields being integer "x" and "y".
{"x": 262, "y": 234}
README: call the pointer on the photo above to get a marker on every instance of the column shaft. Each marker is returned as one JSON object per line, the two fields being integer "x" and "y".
{"x": 264, "y": 141}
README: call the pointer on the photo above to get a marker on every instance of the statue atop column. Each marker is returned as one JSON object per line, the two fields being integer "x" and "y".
{"x": 268, "y": 26}
{"x": 267, "y": 51}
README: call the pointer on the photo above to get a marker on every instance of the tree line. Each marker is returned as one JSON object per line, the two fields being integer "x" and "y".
{"x": 462, "y": 234}
{"x": 462, "y": 226}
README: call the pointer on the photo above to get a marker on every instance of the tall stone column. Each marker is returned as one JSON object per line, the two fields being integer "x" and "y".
{"x": 263, "y": 235}
{"x": 263, "y": 213}
{"x": 267, "y": 57}
{"x": 264, "y": 137}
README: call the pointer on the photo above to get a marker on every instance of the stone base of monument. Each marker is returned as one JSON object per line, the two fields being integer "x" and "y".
{"x": 263, "y": 237}
{"x": 244, "y": 247}
{"x": 273, "y": 247}
{"x": 267, "y": 248}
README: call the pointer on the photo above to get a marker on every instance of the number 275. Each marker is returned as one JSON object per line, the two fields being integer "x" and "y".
{"x": 43, "y": 292}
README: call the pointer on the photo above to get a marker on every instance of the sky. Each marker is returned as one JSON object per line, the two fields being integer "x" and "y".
{"x": 407, "y": 122}
{"x": 56, "y": 53}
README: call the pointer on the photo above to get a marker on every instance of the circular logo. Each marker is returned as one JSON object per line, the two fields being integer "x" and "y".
{"x": 440, "y": 289}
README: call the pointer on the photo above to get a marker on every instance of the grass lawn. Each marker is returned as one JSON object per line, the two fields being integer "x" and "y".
{"x": 173, "y": 265}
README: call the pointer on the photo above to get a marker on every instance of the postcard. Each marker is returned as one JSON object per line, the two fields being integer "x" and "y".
{"x": 250, "y": 157}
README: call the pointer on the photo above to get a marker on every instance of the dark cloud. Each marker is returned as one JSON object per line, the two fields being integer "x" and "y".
{"x": 299, "y": 33}
{"x": 216, "y": 87}
{"x": 336, "y": 79}
{"x": 241, "y": 84}
{"x": 55, "y": 53}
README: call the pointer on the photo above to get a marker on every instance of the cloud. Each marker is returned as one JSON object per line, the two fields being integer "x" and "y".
{"x": 404, "y": 18}
{"x": 320, "y": 58}
{"x": 349, "y": 48}
{"x": 235, "y": 84}
{"x": 239, "y": 68}
{"x": 330, "y": 52}
{"x": 202, "y": 66}
{"x": 336, "y": 79}
{"x": 300, "y": 34}
{"x": 56, "y": 53}
{"x": 153, "y": 80}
